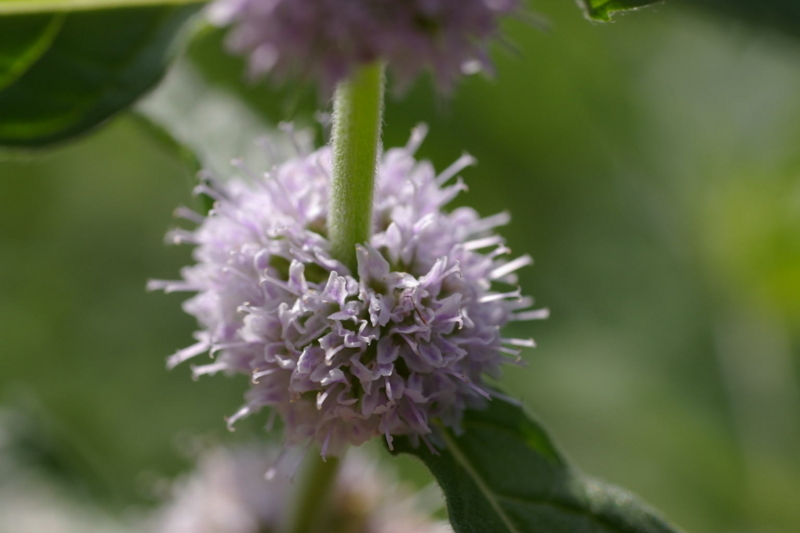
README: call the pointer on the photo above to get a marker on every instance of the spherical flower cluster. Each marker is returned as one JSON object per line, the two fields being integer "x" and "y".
{"x": 344, "y": 356}
{"x": 326, "y": 39}
{"x": 228, "y": 493}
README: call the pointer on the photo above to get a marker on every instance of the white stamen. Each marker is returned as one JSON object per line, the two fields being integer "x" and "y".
{"x": 239, "y": 164}
{"x": 479, "y": 390}
{"x": 309, "y": 336}
{"x": 321, "y": 397}
{"x": 288, "y": 129}
{"x": 211, "y": 369}
{"x": 501, "y": 296}
{"x": 473, "y": 66}
{"x": 180, "y": 236}
{"x": 523, "y": 303}
{"x": 510, "y": 351}
{"x": 510, "y": 267}
{"x": 419, "y": 418}
{"x": 321, "y": 167}
{"x": 278, "y": 283}
{"x": 324, "y": 450}
{"x": 389, "y": 439}
{"x": 537, "y": 314}
{"x": 477, "y": 244}
{"x": 460, "y": 164}
{"x": 500, "y": 219}
{"x": 323, "y": 119}
{"x": 290, "y": 199}
{"x": 505, "y": 398}
{"x": 271, "y": 420}
{"x": 273, "y": 469}
{"x": 186, "y": 213}
{"x": 500, "y": 250}
{"x": 234, "y": 270}
{"x": 187, "y": 353}
{"x": 418, "y": 135}
{"x": 245, "y": 308}
{"x": 524, "y": 343}
{"x": 169, "y": 286}
{"x": 389, "y": 390}
{"x": 266, "y": 144}
{"x": 228, "y": 345}
{"x": 428, "y": 444}
{"x": 260, "y": 374}
{"x": 208, "y": 191}
{"x": 238, "y": 415}
{"x": 330, "y": 353}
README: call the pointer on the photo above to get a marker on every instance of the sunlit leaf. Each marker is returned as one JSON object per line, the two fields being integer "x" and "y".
{"x": 215, "y": 125}
{"x": 78, "y": 69}
{"x": 206, "y": 127}
{"x": 603, "y": 9}
{"x": 504, "y": 475}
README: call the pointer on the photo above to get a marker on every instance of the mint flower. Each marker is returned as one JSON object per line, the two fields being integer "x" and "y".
{"x": 228, "y": 493}
{"x": 344, "y": 356}
{"x": 326, "y": 39}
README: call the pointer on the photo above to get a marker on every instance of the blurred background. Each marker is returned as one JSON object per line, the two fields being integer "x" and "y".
{"x": 652, "y": 169}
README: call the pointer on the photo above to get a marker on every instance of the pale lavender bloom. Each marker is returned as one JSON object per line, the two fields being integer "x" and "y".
{"x": 228, "y": 493}
{"x": 326, "y": 39}
{"x": 344, "y": 356}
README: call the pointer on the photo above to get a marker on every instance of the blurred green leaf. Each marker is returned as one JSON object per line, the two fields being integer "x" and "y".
{"x": 214, "y": 124}
{"x": 603, "y": 9}
{"x": 504, "y": 475}
{"x": 11, "y": 7}
{"x": 35, "y": 439}
{"x": 783, "y": 15}
{"x": 71, "y": 75}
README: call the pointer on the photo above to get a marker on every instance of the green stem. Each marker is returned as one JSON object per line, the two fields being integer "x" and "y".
{"x": 312, "y": 499}
{"x": 357, "y": 121}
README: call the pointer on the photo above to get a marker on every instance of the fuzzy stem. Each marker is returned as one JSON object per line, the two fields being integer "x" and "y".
{"x": 312, "y": 499}
{"x": 356, "y": 137}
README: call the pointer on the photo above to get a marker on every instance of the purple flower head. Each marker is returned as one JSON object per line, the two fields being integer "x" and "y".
{"x": 344, "y": 356}
{"x": 326, "y": 39}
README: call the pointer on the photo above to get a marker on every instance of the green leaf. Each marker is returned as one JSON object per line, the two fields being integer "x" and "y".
{"x": 24, "y": 43}
{"x": 12, "y": 7}
{"x": 603, "y": 9}
{"x": 505, "y": 475}
{"x": 73, "y": 71}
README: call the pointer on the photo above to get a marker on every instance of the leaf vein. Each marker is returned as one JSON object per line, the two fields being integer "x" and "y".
{"x": 459, "y": 456}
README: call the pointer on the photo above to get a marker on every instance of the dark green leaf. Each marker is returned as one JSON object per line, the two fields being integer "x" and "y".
{"x": 75, "y": 70}
{"x": 18, "y": 7}
{"x": 603, "y": 9}
{"x": 504, "y": 475}
{"x": 23, "y": 42}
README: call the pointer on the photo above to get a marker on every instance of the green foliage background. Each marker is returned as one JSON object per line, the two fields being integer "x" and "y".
{"x": 651, "y": 167}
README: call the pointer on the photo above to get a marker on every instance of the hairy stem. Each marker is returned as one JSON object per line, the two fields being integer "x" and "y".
{"x": 312, "y": 499}
{"x": 357, "y": 121}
